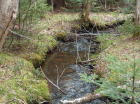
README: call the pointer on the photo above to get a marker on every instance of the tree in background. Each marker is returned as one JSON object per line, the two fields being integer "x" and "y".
{"x": 136, "y": 29}
{"x": 56, "y": 4}
{"x": 137, "y": 12}
{"x": 86, "y": 10}
{"x": 8, "y": 14}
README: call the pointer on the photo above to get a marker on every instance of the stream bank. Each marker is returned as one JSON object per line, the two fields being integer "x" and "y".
{"x": 20, "y": 56}
{"x": 64, "y": 59}
{"x": 64, "y": 66}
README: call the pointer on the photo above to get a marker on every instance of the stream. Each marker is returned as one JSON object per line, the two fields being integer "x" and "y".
{"x": 61, "y": 67}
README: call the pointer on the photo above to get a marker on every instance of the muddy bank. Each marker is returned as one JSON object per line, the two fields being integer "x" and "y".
{"x": 94, "y": 28}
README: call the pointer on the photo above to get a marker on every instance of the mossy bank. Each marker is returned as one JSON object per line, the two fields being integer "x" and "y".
{"x": 20, "y": 81}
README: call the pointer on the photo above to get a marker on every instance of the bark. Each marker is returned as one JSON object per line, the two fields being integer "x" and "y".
{"x": 91, "y": 96}
{"x": 137, "y": 12}
{"x": 82, "y": 99}
{"x": 137, "y": 18}
{"x": 86, "y": 10}
{"x": 8, "y": 13}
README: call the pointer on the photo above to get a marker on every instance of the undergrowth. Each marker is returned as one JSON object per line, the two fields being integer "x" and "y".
{"x": 117, "y": 67}
{"x": 129, "y": 27}
{"x": 20, "y": 82}
{"x": 118, "y": 83}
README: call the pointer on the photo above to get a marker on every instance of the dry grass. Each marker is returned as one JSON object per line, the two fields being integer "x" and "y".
{"x": 123, "y": 48}
{"x": 109, "y": 18}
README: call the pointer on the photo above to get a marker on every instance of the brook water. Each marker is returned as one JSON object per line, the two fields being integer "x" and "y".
{"x": 63, "y": 69}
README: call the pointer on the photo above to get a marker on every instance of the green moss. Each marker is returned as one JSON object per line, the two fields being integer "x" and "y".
{"x": 61, "y": 34}
{"x": 36, "y": 51}
{"x": 19, "y": 83}
{"x": 33, "y": 57}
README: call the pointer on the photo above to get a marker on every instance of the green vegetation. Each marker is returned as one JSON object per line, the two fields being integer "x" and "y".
{"x": 106, "y": 40}
{"x": 19, "y": 83}
{"x": 118, "y": 83}
{"x": 32, "y": 10}
{"x": 117, "y": 68}
{"x": 35, "y": 33}
{"x": 25, "y": 83}
{"x": 32, "y": 87}
{"x": 130, "y": 28}
{"x": 39, "y": 46}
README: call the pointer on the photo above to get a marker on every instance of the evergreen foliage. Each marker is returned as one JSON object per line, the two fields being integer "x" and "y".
{"x": 118, "y": 84}
{"x": 129, "y": 27}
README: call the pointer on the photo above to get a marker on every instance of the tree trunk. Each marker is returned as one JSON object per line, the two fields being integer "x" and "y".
{"x": 86, "y": 10}
{"x": 8, "y": 13}
{"x": 137, "y": 12}
{"x": 137, "y": 18}
{"x": 57, "y": 4}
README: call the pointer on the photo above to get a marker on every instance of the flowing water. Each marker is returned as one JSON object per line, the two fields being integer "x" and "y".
{"x": 61, "y": 67}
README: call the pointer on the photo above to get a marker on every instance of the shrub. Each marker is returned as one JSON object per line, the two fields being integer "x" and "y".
{"x": 122, "y": 80}
{"x": 129, "y": 27}
{"x": 33, "y": 9}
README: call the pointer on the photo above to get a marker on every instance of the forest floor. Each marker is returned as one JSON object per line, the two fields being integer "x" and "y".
{"x": 124, "y": 47}
{"x": 20, "y": 82}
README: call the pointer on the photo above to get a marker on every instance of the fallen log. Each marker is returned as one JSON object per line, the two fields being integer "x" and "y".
{"x": 86, "y": 98}
{"x": 91, "y": 96}
{"x": 85, "y": 34}
{"x": 89, "y": 34}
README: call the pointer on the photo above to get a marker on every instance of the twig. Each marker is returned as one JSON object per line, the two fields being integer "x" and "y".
{"x": 61, "y": 74}
{"x": 89, "y": 51}
{"x": 52, "y": 82}
{"x": 14, "y": 100}
{"x": 77, "y": 50}
{"x": 57, "y": 76}
{"x": 20, "y": 35}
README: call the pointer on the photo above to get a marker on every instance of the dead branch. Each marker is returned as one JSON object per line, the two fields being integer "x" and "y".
{"x": 17, "y": 34}
{"x": 61, "y": 74}
{"x": 86, "y": 61}
{"x": 52, "y": 82}
{"x": 91, "y": 96}
{"x": 86, "y": 98}
{"x": 86, "y": 34}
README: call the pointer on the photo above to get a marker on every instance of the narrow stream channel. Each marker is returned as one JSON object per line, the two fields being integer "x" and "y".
{"x": 61, "y": 67}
